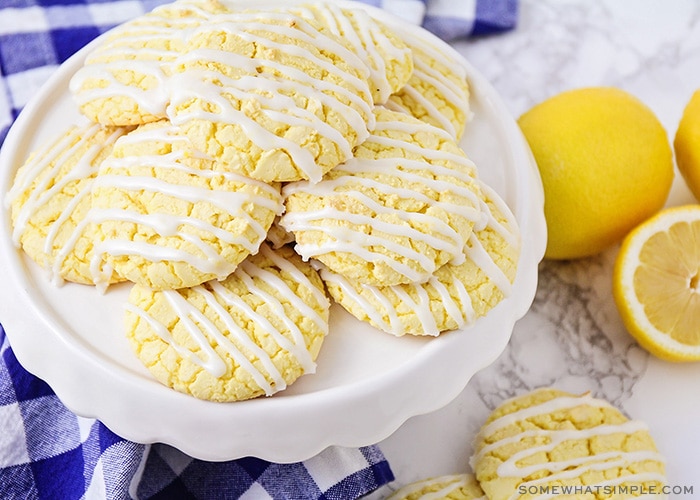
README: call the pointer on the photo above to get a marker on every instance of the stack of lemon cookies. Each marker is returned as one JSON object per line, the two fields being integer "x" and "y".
{"x": 237, "y": 165}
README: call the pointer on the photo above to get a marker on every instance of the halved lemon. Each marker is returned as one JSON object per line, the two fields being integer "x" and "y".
{"x": 656, "y": 283}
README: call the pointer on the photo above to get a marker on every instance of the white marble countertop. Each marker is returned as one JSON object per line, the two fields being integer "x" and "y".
{"x": 572, "y": 338}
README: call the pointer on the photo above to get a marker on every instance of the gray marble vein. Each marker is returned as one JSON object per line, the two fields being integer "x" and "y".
{"x": 576, "y": 343}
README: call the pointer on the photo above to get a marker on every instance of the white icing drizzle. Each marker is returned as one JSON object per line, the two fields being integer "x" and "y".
{"x": 367, "y": 39}
{"x": 269, "y": 89}
{"x": 451, "y": 484}
{"x": 131, "y": 47}
{"x": 221, "y": 300}
{"x": 213, "y": 363}
{"x": 216, "y": 365}
{"x": 572, "y": 468}
{"x": 476, "y": 252}
{"x": 54, "y": 159}
{"x": 421, "y": 307}
{"x": 298, "y": 277}
{"x": 227, "y": 201}
{"x": 114, "y": 175}
{"x": 508, "y": 230}
{"x": 454, "y": 94}
{"x": 172, "y": 90}
{"x": 358, "y": 243}
{"x": 432, "y": 111}
{"x": 151, "y": 100}
{"x": 352, "y": 239}
{"x": 460, "y": 309}
{"x": 242, "y": 337}
{"x": 57, "y": 154}
{"x": 542, "y": 408}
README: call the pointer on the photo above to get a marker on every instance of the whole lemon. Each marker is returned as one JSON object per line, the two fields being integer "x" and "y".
{"x": 606, "y": 165}
{"x": 687, "y": 145}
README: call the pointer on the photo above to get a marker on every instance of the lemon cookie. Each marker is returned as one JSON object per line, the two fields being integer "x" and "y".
{"x": 401, "y": 208}
{"x": 550, "y": 443}
{"x": 252, "y": 334}
{"x": 438, "y": 90}
{"x": 50, "y": 199}
{"x": 168, "y": 216}
{"x": 448, "y": 487}
{"x": 123, "y": 79}
{"x": 455, "y": 296}
{"x": 388, "y": 58}
{"x": 271, "y": 95}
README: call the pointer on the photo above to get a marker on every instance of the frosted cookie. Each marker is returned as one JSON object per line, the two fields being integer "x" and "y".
{"x": 252, "y": 334}
{"x": 123, "y": 79}
{"x": 389, "y": 59}
{"x": 168, "y": 217}
{"x": 401, "y": 208}
{"x": 455, "y": 295}
{"x": 547, "y": 440}
{"x": 50, "y": 199}
{"x": 438, "y": 90}
{"x": 271, "y": 95}
{"x": 449, "y": 487}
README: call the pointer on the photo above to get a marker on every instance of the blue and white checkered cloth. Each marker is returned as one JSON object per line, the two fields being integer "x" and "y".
{"x": 48, "y": 452}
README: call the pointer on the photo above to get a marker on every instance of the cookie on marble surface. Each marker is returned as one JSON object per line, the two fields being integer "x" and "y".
{"x": 389, "y": 59}
{"x": 547, "y": 441}
{"x": 401, "y": 208}
{"x": 169, "y": 217}
{"x": 448, "y": 487}
{"x": 251, "y": 334}
{"x": 50, "y": 199}
{"x": 438, "y": 91}
{"x": 455, "y": 296}
{"x": 123, "y": 79}
{"x": 271, "y": 95}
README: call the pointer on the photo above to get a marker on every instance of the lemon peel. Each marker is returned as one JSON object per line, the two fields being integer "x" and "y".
{"x": 606, "y": 165}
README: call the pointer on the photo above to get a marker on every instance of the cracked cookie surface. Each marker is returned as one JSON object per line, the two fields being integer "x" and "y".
{"x": 50, "y": 201}
{"x": 249, "y": 335}
{"x": 438, "y": 91}
{"x": 549, "y": 440}
{"x": 271, "y": 95}
{"x": 455, "y": 295}
{"x": 401, "y": 208}
{"x": 169, "y": 217}
{"x": 389, "y": 59}
{"x": 447, "y": 487}
{"x": 124, "y": 78}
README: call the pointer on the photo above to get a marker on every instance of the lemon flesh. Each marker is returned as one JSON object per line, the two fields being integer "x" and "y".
{"x": 656, "y": 284}
{"x": 606, "y": 165}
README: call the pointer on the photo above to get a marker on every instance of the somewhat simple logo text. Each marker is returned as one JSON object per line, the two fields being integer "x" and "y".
{"x": 608, "y": 490}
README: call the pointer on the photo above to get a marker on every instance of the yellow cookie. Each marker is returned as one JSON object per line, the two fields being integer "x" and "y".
{"x": 449, "y": 487}
{"x": 50, "y": 199}
{"x": 389, "y": 59}
{"x": 551, "y": 443}
{"x": 401, "y": 208}
{"x": 252, "y": 334}
{"x": 438, "y": 90}
{"x": 169, "y": 217}
{"x": 123, "y": 80}
{"x": 455, "y": 296}
{"x": 271, "y": 95}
